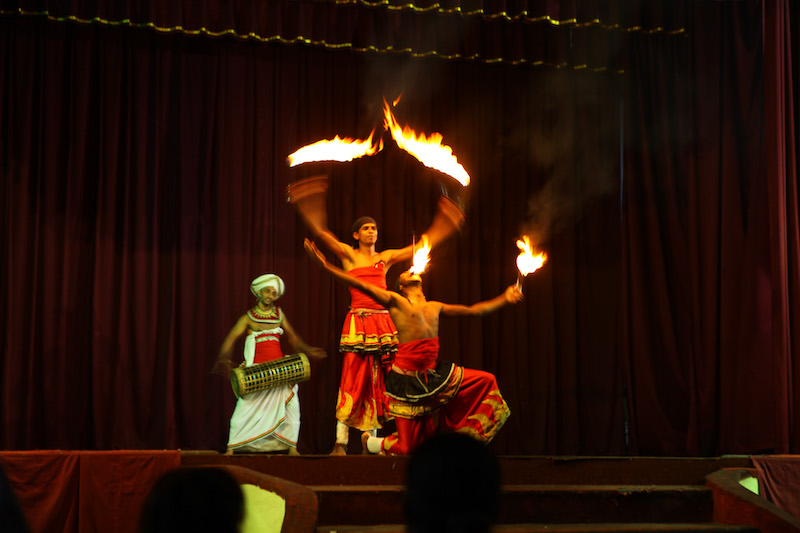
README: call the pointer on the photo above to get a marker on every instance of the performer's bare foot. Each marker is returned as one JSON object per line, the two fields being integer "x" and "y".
{"x": 293, "y": 451}
{"x": 339, "y": 449}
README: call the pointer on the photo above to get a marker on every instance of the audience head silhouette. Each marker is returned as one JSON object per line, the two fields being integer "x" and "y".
{"x": 193, "y": 499}
{"x": 453, "y": 485}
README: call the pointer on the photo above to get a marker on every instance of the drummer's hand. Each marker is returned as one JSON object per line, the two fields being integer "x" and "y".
{"x": 316, "y": 353}
{"x": 222, "y": 367}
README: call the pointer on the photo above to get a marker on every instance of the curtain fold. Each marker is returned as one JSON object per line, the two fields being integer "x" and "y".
{"x": 697, "y": 324}
{"x": 781, "y": 34}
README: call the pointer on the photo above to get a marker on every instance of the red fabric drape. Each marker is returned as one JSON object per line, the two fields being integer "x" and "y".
{"x": 84, "y": 491}
{"x": 778, "y": 479}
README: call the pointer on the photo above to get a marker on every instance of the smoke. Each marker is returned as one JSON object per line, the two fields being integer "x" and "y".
{"x": 574, "y": 144}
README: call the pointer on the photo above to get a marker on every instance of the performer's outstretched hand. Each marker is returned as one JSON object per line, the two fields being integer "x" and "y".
{"x": 449, "y": 218}
{"x": 308, "y": 196}
{"x": 314, "y": 253}
{"x": 316, "y": 353}
{"x": 513, "y": 294}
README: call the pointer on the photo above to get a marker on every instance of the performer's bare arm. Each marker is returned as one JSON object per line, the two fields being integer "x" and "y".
{"x": 308, "y": 197}
{"x": 448, "y": 219}
{"x": 223, "y": 365}
{"x": 511, "y": 295}
{"x": 343, "y": 251}
{"x": 297, "y": 343}
{"x": 383, "y": 297}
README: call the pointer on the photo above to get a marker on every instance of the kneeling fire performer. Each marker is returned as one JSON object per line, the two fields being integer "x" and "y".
{"x": 264, "y": 420}
{"x": 425, "y": 395}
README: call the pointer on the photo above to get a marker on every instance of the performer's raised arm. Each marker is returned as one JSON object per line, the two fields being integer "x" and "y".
{"x": 308, "y": 196}
{"x": 449, "y": 219}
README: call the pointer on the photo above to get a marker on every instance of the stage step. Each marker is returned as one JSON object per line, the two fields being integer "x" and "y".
{"x": 581, "y": 494}
{"x": 564, "y": 528}
{"x": 551, "y": 504}
{"x": 378, "y": 470}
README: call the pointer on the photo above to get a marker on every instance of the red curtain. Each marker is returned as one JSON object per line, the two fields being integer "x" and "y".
{"x": 697, "y": 290}
{"x": 143, "y": 181}
{"x": 710, "y": 231}
{"x": 144, "y": 187}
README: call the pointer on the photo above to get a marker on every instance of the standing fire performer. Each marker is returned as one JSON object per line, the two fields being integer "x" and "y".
{"x": 369, "y": 337}
{"x": 268, "y": 420}
{"x": 427, "y": 396}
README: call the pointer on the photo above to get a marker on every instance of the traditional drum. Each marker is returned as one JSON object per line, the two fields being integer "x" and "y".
{"x": 284, "y": 371}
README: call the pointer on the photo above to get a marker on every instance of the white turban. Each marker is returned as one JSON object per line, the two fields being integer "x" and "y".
{"x": 268, "y": 280}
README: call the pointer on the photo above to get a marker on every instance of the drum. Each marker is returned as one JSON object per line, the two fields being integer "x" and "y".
{"x": 284, "y": 371}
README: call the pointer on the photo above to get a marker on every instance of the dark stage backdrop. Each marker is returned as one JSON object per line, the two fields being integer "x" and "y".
{"x": 143, "y": 187}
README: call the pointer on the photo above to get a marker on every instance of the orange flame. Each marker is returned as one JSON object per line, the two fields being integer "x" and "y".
{"x": 421, "y": 257}
{"x": 428, "y": 150}
{"x": 526, "y": 261}
{"x": 335, "y": 149}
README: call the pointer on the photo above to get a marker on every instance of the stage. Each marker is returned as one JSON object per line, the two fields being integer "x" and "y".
{"x": 103, "y": 490}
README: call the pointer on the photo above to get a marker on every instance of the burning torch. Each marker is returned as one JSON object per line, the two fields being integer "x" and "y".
{"x": 527, "y": 262}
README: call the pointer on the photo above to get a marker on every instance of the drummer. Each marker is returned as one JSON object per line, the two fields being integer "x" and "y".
{"x": 268, "y": 420}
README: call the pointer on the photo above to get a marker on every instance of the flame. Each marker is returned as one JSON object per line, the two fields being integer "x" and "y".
{"x": 526, "y": 261}
{"x": 428, "y": 150}
{"x": 335, "y": 149}
{"x": 421, "y": 257}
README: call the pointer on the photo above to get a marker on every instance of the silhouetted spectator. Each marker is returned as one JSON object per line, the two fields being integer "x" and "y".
{"x": 453, "y": 485}
{"x": 193, "y": 499}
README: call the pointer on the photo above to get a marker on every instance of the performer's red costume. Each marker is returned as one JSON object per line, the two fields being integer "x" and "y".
{"x": 427, "y": 396}
{"x": 267, "y": 342}
{"x": 368, "y": 342}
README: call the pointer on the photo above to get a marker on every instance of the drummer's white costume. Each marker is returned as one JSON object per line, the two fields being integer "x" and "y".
{"x": 269, "y": 420}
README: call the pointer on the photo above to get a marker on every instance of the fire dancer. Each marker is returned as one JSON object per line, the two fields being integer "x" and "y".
{"x": 369, "y": 337}
{"x": 268, "y": 420}
{"x": 425, "y": 395}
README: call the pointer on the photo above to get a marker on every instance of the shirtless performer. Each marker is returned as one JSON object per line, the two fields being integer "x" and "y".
{"x": 269, "y": 420}
{"x": 369, "y": 338}
{"x": 425, "y": 395}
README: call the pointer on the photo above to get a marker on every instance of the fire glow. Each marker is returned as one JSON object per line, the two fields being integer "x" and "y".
{"x": 335, "y": 149}
{"x": 421, "y": 257}
{"x": 527, "y": 262}
{"x": 428, "y": 150}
